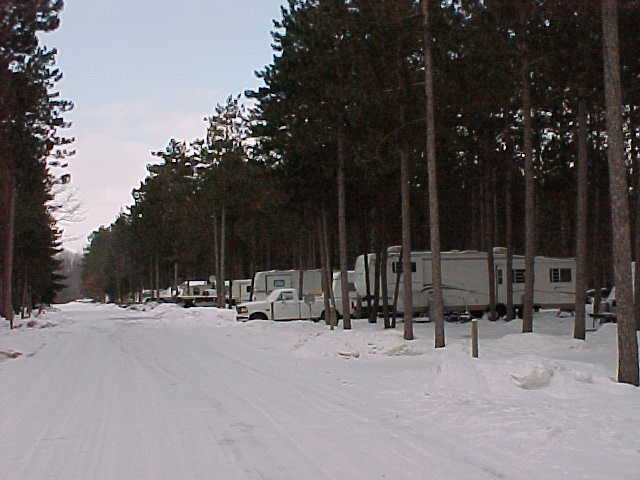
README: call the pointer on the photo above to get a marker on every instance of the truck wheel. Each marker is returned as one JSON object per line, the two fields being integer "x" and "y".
{"x": 258, "y": 316}
{"x": 501, "y": 310}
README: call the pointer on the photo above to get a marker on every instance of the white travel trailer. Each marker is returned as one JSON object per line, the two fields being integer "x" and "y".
{"x": 355, "y": 302}
{"x": 465, "y": 280}
{"x": 266, "y": 282}
{"x": 241, "y": 290}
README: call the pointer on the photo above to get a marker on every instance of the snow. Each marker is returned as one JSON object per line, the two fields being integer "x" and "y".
{"x": 91, "y": 391}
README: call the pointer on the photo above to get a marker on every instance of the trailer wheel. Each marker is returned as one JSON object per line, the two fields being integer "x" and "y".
{"x": 258, "y": 316}
{"x": 501, "y": 310}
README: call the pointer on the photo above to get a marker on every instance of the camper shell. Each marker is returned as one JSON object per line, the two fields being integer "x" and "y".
{"x": 465, "y": 280}
{"x": 304, "y": 281}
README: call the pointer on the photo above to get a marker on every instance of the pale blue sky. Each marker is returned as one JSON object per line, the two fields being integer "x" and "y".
{"x": 141, "y": 72}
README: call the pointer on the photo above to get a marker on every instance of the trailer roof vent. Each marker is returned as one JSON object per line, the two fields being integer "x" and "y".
{"x": 499, "y": 250}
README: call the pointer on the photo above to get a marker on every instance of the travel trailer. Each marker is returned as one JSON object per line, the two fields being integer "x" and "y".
{"x": 355, "y": 302}
{"x": 465, "y": 280}
{"x": 196, "y": 292}
{"x": 304, "y": 281}
{"x": 241, "y": 290}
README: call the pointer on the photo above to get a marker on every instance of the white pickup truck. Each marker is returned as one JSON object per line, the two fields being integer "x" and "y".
{"x": 282, "y": 304}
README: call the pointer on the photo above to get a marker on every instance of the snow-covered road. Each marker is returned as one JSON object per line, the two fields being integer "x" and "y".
{"x": 110, "y": 393}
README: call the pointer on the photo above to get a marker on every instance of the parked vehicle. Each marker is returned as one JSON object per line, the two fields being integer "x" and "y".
{"x": 196, "y": 292}
{"x": 282, "y": 304}
{"x": 241, "y": 291}
{"x": 304, "y": 281}
{"x": 465, "y": 280}
{"x": 355, "y": 300}
{"x": 609, "y": 302}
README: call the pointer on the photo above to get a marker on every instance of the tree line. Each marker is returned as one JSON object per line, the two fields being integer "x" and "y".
{"x": 34, "y": 155}
{"x": 456, "y": 124}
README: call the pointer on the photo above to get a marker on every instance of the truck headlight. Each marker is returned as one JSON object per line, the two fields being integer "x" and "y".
{"x": 242, "y": 309}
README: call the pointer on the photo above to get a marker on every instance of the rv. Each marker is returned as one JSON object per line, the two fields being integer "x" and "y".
{"x": 465, "y": 280}
{"x": 196, "y": 292}
{"x": 241, "y": 291}
{"x": 304, "y": 281}
{"x": 355, "y": 302}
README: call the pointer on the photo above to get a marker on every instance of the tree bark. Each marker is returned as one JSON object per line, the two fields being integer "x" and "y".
{"x": 509, "y": 242}
{"x": 326, "y": 286}
{"x": 373, "y": 310}
{"x": 627, "y": 340}
{"x": 581, "y": 227}
{"x": 8, "y": 245}
{"x": 436, "y": 307}
{"x": 636, "y": 281}
{"x": 222, "y": 292}
{"x": 530, "y": 229}
{"x": 384, "y": 279}
{"x": 407, "y": 294}
{"x": 216, "y": 257}
{"x": 490, "y": 234}
{"x": 329, "y": 273}
{"x": 342, "y": 232}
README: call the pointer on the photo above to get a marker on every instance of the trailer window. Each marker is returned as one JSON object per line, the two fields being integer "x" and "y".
{"x": 499, "y": 275}
{"x": 278, "y": 283}
{"x": 518, "y": 275}
{"x": 397, "y": 267}
{"x": 560, "y": 275}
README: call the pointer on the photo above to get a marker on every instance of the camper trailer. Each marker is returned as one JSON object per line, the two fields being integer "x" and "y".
{"x": 355, "y": 302}
{"x": 304, "y": 281}
{"x": 465, "y": 280}
{"x": 241, "y": 291}
{"x": 196, "y": 292}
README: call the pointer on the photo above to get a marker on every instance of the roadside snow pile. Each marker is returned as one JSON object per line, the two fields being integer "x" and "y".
{"x": 315, "y": 340}
{"x": 171, "y": 313}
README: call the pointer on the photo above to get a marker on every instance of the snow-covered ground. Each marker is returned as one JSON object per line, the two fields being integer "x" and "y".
{"x": 168, "y": 393}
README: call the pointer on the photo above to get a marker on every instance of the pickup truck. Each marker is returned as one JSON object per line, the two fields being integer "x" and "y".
{"x": 282, "y": 304}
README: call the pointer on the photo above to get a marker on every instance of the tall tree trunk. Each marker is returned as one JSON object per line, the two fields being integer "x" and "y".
{"x": 490, "y": 234}
{"x": 530, "y": 208}
{"x": 324, "y": 269}
{"x": 384, "y": 279}
{"x": 396, "y": 290}
{"x": 627, "y": 340}
{"x": 216, "y": 259}
{"x": 367, "y": 276}
{"x": 342, "y": 232}
{"x": 373, "y": 309}
{"x": 329, "y": 272}
{"x": 174, "y": 290}
{"x": 596, "y": 270}
{"x": 407, "y": 282}
{"x": 581, "y": 227}
{"x": 436, "y": 308}
{"x": 157, "y": 276}
{"x": 8, "y": 245}
{"x": 508, "y": 277}
{"x": 222, "y": 292}
{"x": 636, "y": 281}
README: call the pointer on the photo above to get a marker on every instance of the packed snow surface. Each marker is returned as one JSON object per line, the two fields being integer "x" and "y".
{"x": 93, "y": 391}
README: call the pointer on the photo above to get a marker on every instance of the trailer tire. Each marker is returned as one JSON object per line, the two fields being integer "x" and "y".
{"x": 501, "y": 310}
{"x": 258, "y": 316}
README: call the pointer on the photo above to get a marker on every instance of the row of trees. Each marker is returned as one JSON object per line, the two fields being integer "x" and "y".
{"x": 424, "y": 124}
{"x": 31, "y": 115}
